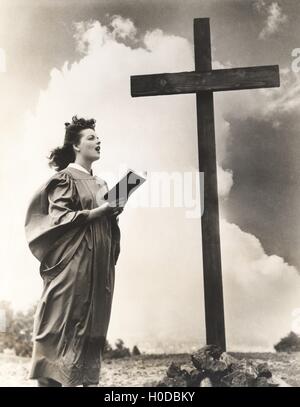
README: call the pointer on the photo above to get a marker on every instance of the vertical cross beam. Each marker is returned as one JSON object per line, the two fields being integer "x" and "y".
{"x": 212, "y": 269}
{"x": 204, "y": 81}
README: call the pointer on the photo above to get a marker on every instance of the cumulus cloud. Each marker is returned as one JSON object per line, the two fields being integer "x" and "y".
{"x": 89, "y": 35}
{"x": 286, "y": 100}
{"x": 163, "y": 274}
{"x": 261, "y": 291}
{"x": 275, "y": 17}
{"x": 225, "y": 181}
{"x": 268, "y": 104}
{"x": 123, "y": 28}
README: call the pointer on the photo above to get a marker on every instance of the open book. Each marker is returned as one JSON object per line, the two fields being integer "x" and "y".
{"x": 126, "y": 186}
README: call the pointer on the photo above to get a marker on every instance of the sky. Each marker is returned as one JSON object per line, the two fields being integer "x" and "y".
{"x": 76, "y": 57}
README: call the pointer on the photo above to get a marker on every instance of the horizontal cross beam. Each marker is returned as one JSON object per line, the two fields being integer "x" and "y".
{"x": 215, "y": 80}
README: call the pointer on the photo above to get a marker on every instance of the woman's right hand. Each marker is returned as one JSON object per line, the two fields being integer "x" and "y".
{"x": 107, "y": 209}
{"x": 112, "y": 209}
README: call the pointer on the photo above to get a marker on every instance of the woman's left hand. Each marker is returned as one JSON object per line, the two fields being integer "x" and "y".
{"x": 117, "y": 210}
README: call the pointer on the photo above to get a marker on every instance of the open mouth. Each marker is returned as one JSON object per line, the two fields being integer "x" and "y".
{"x": 97, "y": 149}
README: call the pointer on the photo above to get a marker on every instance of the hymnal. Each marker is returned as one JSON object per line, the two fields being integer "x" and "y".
{"x": 125, "y": 187}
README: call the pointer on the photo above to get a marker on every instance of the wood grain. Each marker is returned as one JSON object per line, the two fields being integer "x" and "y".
{"x": 215, "y": 80}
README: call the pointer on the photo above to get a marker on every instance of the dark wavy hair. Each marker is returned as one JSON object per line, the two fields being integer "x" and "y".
{"x": 60, "y": 157}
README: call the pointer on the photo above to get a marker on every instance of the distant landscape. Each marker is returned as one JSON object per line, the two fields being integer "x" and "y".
{"x": 145, "y": 370}
{"x": 129, "y": 367}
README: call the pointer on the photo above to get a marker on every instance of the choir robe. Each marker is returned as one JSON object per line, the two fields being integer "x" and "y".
{"x": 77, "y": 264}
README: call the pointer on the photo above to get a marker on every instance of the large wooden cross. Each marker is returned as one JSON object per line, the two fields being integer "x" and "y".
{"x": 204, "y": 81}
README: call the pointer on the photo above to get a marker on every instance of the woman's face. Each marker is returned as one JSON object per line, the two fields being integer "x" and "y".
{"x": 89, "y": 145}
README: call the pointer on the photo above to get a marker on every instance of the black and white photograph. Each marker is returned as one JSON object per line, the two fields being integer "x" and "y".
{"x": 150, "y": 191}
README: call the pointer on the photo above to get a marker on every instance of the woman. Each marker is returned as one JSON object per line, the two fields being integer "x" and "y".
{"x": 75, "y": 235}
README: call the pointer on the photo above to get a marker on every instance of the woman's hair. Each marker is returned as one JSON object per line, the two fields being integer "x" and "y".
{"x": 60, "y": 157}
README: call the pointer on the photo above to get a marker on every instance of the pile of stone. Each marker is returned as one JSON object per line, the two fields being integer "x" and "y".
{"x": 211, "y": 367}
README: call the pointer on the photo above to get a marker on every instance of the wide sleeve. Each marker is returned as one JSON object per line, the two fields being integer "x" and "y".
{"x": 63, "y": 200}
{"x": 54, "y": 213}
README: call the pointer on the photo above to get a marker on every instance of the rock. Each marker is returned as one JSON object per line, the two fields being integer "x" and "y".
{"x": 243, "y": 374}
{"x": 206, "y": 382}
{"x": 185, "y": 374}
{"x": 174, "y": 370}
{"x": 229, "y": 360}
{"x": 206, "y": 361}
{"x": 195, "y": 378}
{"x": 165, "y": 382}
{"x": 263, "y": 370}
{"x": 238, "y": 379}
{"x": 247, "y": 366}
{"x": 178, "y": 381}
{"x": 211, "y": 367}
{"x": 212, "y": 350}
{"x": 262, "y": 382}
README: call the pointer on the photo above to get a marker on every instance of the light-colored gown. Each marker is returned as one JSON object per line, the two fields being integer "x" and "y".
{"x": 77, "y": 263}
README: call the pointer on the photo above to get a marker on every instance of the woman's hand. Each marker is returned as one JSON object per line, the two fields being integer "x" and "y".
{"x": 107, "y": 209}
{"x": 112, "y": 208}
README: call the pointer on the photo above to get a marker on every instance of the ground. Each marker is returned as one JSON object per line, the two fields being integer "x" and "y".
{"x": 142, "y": 370}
